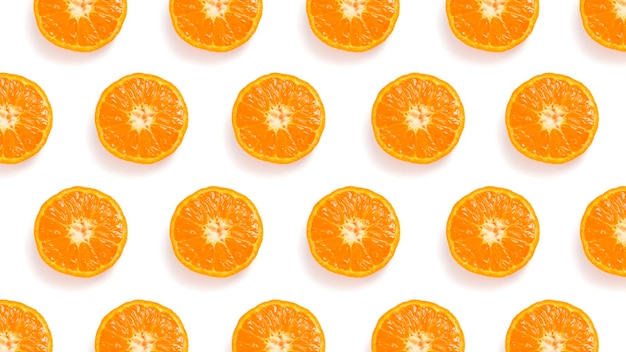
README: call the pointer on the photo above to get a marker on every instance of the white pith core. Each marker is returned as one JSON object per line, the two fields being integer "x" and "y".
{"x": 141, "y": 117}
{"x": 620, "y": 9}
{"x": 353, "y": 8}
{"x": 620, "y": 232}
{"x": 493, "y": 231}
{"x": 8, "y": 342}
{"x": 8, "y": 117}
{"x": 552, "y": 117}
{"x": 80, "y": 231}
{"x": 418, "y": 117}
{"x": 278, "y": 117}
{"x": 79, "y": 8}
{"x": 492, "y": 8}
{"x": 353, "y": 231}
{"x": 552, "y": 342}
{"x": 279, "y": 342}
{"x": 418, "y": 342}
{"x": 216, "y": 230}
{"x": 142, "y": 342}
{"x": 215, "y": 8}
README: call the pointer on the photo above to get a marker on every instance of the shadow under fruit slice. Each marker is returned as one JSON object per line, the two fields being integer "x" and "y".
{"x": 418, "y": 118}
{"x": 215, "y": 25}
{"x": 141, "y": 326}
{"x": 25, "y": 118}
{"x": 353, "y": 232}
{"x": 549, "y": 326}
{"x": 418, "y": 326}
{"x": 80, "y": 25}
{"x": 605, "y": 22}
{"x": 492, "y": 231}
{"x": 216, "y": 232}
{"x": 80, "y": 231}
{"x": 278, "y": 326}
{"x": 551, "y": 118}
{"x": 141, "y": 118}
{"x": 22, "y": 328}
{"x": 278, "y": 118}
{"x": 352, "y": 25}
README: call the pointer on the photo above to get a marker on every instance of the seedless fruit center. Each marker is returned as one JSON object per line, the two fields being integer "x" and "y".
{"x": 215, "y": 8}
{"x": 142, "y": 342}
{"x": 216, "y": 231}
{"x": 353, "y": 8}
{"x": 79, "y": 8}
{"x": 492, "y": 8}
{"x": 552, "y": 342}
{"x": 552, "y": 116}
{"x": 418, "y": 117}
{"x": 493, "y": 231}
{"x": 278, "y": 117}
{"x": 80, "y": 231}
{"x": 141, "y": 117}
{"x": 619, "y": 7}
{"x": 8, "y": 342}
{"x": 279, "y": 342}
{"x": 419, "y": 342}
{"x": 620, "y": 232}
{"x": 8, "y": 117}
{"x": 353, "y": 231}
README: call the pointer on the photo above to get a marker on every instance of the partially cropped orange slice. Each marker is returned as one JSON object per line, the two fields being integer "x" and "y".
{"x": 492, "y": 231}
{"x": 278, "y": 118}
{"x": 605, "y": 22}
{"x": 80, "y": 25}
{"x": 353, "y": 232}
{"x": 80, "y": 231}
{"x": 418, "y": 326}
{"x": 216, "y": 25}
{"x": 22, "y": 328}
{"x": 418, "y": 118}
{"x": 352, "y": 25}
{"x": 552, "y": 118}
{"x": 552, "y": 326}
{"x": 25, "y": 118}
{"x": 141, "y": 118}
{"x": 141, "y": 326}
{"x": 278, "y": 326}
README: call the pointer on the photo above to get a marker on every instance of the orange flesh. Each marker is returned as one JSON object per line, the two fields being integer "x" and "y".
{"x": 22, "y": 329}
{"x": 604, "y": 22}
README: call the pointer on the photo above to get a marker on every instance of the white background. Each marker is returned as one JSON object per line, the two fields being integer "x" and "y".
{"x": 347, "y": 154}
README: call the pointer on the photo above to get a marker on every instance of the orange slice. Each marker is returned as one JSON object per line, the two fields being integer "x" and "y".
{"x": 605, "y": 22}
{"x": 80, "y": 231}
{"x": 80, "y": 25}
{"x": 22, "y": 328}
{"x": 353, "y": 232}
{"x": 25, "y": 118}
{"x": 492, "y": 25}
{"x": 141, "y": 118}
{"x": 551, "y": 118}
{"x": 216, "y": 231}
{"x": 492, "y": 231}
{"x": 418, "y": 118}
{"x": 141, "y": 326}
{"x": 278, "y": 118}
{"x": 418, "y": 326}
{"x": 278, "y": 326}
{"x": 215, "y": 25}
{"x": 551, "y": 326}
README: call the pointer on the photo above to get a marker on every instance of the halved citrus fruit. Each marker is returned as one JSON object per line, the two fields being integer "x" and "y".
{"x": 550, "y": 326}
{"x": 492, "y": 25}
{"x": 141, "y": 326}
{"x": 216, "y": 25}
{"x": 352, "y": 25}
{"x": 551, "y": 118}
{"x": 492, "y": 231}
{"x": 418, "y": 118}
{"x": 22, "y": 328}
{"x": 80, "y": 25}
{"x": 418, "y": 326}
{"x": 141, "y": 118}
{"x": 353, "y": 232}
{"x": 278, "y": 326}
{"x": 25, "y": 118}
{"x": 278, "y": 118}
{"x": 605, "y": 22}
{"x": 80, "y": 231}
{"x": 216, "y": 232}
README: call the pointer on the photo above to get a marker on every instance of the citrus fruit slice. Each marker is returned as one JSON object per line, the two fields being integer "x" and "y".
{"x": 492, "y": 231}
{"x": 22, "y": 328}
{"x": 80, "y": 25}
{"x": 216, "y": 232}
{"x": 141, "y": 326}
{"x": 141, "y": 118}
{"x": 352, "y": 25}
{"x": 418, "y": 118}
{"x": 492, "y": 25}
{"x": 353, "y": 232}
{"x": 215, "y": 25}
{"x": 551, "y": 326}
{"x": 278, "y": 118}
{"x": 80, "y": 231}
{"x": 418, "y": 326}
{"x": 605, "y": 22}
{"x": 278, "y": 326}
{"x": 551, "y": 118}
{"x": 25, "y": 118}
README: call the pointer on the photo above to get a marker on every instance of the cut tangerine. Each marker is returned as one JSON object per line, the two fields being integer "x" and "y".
{"x": 80, "y": 25}
{"x": 278, "y": 118}
{"x": 605, "y": 22}
{"x": 492, "y": 231}
{"x": 552, "y": 326}
{"x": 418, "y": 326}
{"x": 353, "y": 232}
{"x": 141, "y": 118}
{"x": 141, "y": 326}
{"x": 25, "y": 118}
{"x": 278, "y": 326}
{"x": 80, "y": 231}
{"x": 216, "y": 231}
{"x": 418, "y": 118}
{"x": 22, "y": 328}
